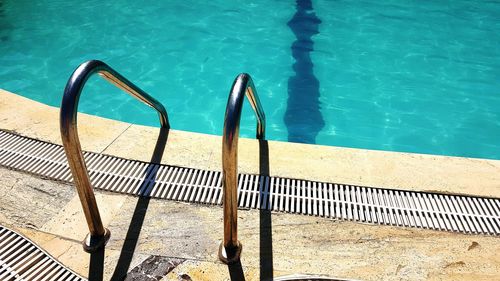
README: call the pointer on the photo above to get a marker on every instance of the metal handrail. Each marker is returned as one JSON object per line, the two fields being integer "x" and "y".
{"x": 98, "y": 235}
{"x": 230, "y": 248}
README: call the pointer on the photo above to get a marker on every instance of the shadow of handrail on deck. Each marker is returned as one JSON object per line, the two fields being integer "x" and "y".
{"x": 96, "y": 267}
{"x": 265, "y": 222}
{"x": 236, "y": 271}
{"x": 135, "y": 226}
{"x": 265, "y": 228}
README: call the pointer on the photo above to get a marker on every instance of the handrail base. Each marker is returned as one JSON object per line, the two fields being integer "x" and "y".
{"x": 230, "y": 255}
{"x": 92, "y": 244}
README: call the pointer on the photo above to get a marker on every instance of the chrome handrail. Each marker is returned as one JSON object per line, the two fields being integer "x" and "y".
{"x": 230, "y": 248}
{"x": 98, "y": 235}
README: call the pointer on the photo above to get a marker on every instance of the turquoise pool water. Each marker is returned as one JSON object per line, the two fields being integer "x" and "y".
{"x": 412, "y": 76}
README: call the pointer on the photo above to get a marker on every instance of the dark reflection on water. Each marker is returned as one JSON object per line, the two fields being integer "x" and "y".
{"x": 302, "y": 117}
{"x": 4, "y": 27}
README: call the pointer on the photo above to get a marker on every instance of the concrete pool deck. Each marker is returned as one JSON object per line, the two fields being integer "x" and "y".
{"x": 190, "y": 234}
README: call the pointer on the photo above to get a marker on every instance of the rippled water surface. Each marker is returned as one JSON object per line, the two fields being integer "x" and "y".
{"x": 413, "y": 76}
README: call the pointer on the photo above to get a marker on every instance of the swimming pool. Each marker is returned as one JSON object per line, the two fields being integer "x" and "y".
{"x": 413, "y": 77}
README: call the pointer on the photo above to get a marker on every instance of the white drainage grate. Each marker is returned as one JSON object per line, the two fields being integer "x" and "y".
{"x": 20, "y": 259}
{"x": 464, "y": 214}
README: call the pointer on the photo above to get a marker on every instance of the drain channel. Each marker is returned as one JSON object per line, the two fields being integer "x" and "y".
{"x": 21, "y": 259}
{"x": 465, "y": 214}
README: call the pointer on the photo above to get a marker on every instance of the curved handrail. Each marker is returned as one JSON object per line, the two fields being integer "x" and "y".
{"x": 98, "y": 235}
{"x": 230, "y": 249}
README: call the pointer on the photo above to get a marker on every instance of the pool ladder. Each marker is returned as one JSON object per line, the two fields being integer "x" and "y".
{"x": 98, "y": 236}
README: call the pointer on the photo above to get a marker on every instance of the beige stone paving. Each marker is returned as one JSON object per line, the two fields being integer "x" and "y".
{"x": 37, "y": 120}
{"x": 209, "y": 271}
{"x": 182, "y": 148}
{"x": 70, "y": 221}
{"x": 26, "y": 201}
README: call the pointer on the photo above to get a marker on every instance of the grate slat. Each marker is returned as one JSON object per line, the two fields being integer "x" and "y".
{"x": 21, "y": 259}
